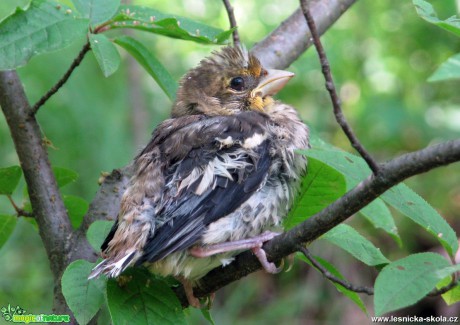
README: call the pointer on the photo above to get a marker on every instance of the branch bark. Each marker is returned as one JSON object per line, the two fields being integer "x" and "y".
{"x": 288, "y": 41}
{"x": 392, "y": 173}
{"x": 48, "y": 207}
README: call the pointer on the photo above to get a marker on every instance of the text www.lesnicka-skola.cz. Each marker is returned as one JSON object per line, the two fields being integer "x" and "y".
{"x": 415, "y": 319}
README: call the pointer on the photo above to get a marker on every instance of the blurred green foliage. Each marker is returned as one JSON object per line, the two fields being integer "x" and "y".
{"x": 381, "y": 54}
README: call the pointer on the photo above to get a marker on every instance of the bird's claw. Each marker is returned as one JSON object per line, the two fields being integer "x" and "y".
{"x": 268, "y": 266}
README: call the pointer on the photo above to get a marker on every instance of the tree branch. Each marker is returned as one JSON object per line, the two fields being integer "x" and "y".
{"x": 288, "y": 41}
{"x": 330, "y": 86}
{"x": 232, "y": 20}
{"x": 63, "y": 80}
{"x": 392, "y": 173}
{"x": 48, "y": 207}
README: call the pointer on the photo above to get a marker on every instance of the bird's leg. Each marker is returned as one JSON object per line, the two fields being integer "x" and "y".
{"x": 255, "y": 244}
{"x": 188, "y": 288}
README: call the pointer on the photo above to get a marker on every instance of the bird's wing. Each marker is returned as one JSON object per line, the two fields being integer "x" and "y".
{"x": 212, "y": 166}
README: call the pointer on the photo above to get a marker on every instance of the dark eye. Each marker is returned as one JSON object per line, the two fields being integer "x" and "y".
{"x": 237, "y": 83}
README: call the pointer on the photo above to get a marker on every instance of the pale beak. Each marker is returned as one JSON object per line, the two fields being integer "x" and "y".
{"x": 273, "y": 82}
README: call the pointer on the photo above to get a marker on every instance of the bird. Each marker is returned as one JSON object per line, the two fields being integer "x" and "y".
{"x": 217, "y": 178}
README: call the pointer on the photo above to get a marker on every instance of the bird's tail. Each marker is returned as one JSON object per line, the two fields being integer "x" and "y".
{"x": 112, "y": 267}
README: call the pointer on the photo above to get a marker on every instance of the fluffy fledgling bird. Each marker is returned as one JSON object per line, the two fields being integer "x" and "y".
{"x": 215, "y": 179}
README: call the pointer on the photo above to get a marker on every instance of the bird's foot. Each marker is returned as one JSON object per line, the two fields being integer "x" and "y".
{"x": 262, "y": 257}
{"x": 188, "y": 288}
{"x": 255, "y": 244}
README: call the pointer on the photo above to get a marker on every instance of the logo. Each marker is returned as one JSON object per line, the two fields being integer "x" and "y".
{"x": 18, "y": 315}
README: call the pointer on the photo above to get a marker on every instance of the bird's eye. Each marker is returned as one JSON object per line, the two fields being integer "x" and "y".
{"x": 237, "y": 83}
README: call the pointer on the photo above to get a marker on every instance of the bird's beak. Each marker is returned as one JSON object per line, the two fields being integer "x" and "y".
{"x": 273, "y": 82}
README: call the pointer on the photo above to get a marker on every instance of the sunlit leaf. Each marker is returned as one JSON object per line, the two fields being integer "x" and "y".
{"x": 321, "y": 186}
{"x": 452, "y": 296}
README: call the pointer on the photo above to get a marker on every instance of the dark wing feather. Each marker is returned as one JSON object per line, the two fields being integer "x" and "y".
{"x": 185, "y": 214}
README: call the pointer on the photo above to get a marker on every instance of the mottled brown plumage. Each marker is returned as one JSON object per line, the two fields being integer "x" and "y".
{"x": 215, "y": 178}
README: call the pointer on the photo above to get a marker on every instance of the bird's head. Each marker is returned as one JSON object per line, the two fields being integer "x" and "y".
{"x": 228, "y": 81}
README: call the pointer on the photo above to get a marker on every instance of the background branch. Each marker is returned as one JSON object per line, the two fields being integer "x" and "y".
{"x": 288, "y": 41}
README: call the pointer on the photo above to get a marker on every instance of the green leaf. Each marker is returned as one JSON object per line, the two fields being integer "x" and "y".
{"x": 64, "y": 176}
{"x": 426, "y": 11}
{"x": 207, "y": 315}
{"x": 97, "y": 232}
{"x": 380, "y": 216}
{"x": 448, "y": 70}
{"x": 150, "y": 64}
{"x": 400, "y": 197}
{"x": 9, "y": 179}
{"x": 320, "y": 187}
{"x": 7, "y": 225}
{"x": 106, "y": 54}
{"x": 452, "y": 296}
{"x": 354, "y": 243}
{"x": 97, "y": 11}
{"x": 143, "y": 299}
{"x": 355, "y": 169}
{"x": 151, "y": 20}
{"x": 418, "y": 210}
{"x": 104, "y": 316}
{"x": 83, "y": 296}
{"x": 76, "y": 208}
{"x": 43, "y": 27}
{"x": 353, "y": 296}
{"x": 406, "y": 281}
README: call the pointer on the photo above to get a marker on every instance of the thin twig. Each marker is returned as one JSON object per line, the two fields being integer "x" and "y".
{"x": 232, "y": 20}
{"x": 443, "y": 290}
{"x": 333, "y": 92}
{"x": 19, "y": 211}
{"x": 360, "y": 289}
{"x": 63, "y": 80}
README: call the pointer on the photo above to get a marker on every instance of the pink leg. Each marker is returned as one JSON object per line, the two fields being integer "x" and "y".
{"x": 188, "y": 288}
{"x": 255, "y": 244}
